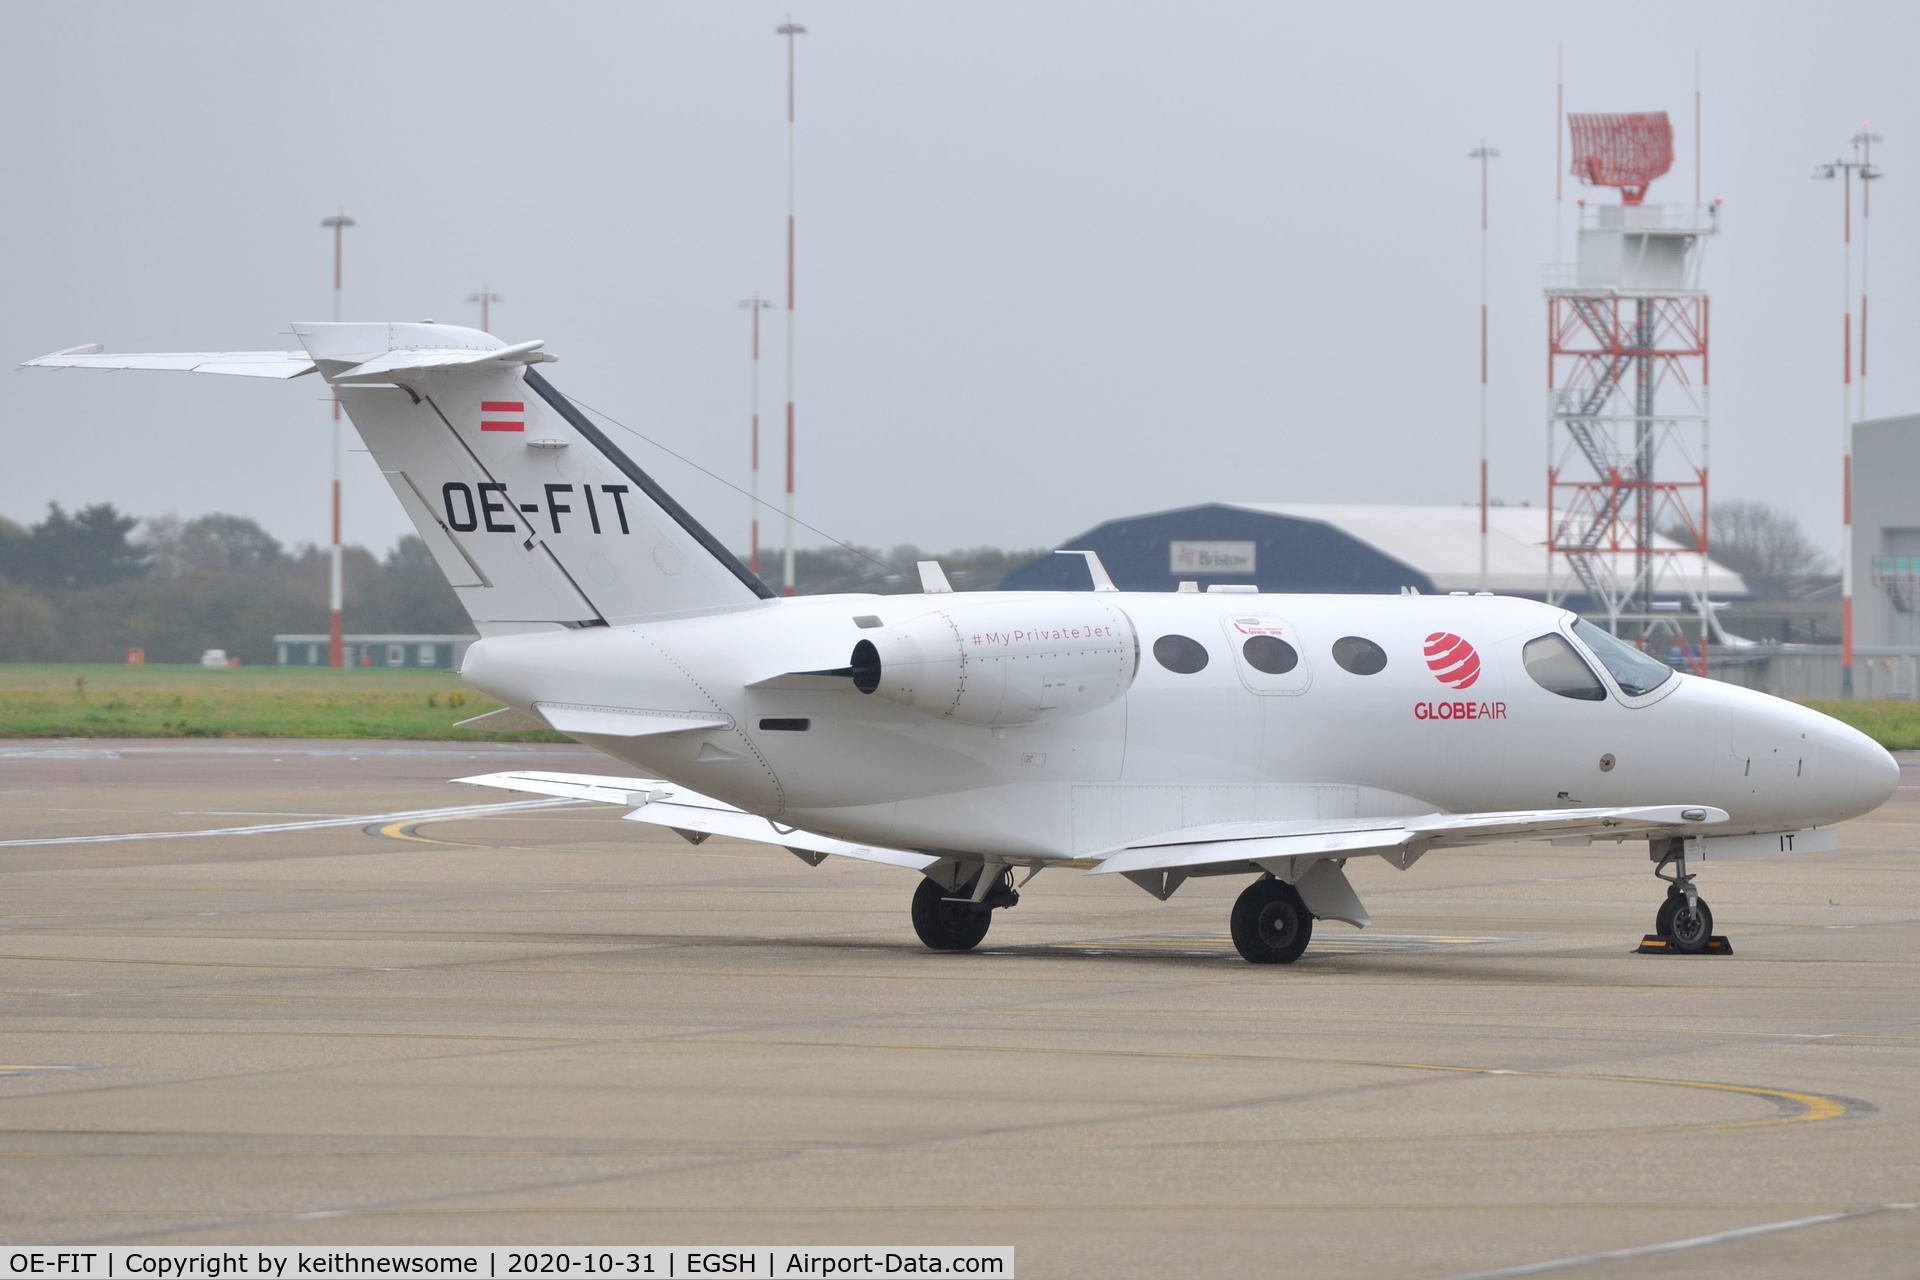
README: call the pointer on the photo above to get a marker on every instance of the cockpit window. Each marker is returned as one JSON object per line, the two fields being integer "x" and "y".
{"x": 1359, "y": 655}
{"x": 1182, "y": 655}
{"x": 1632, "y": 670}
{"x": 1555, "y": 667}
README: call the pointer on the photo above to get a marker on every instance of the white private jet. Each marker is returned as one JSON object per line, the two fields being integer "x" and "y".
{"x": 966, "y": 735}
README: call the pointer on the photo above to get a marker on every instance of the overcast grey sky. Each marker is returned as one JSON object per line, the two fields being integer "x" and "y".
{"x": 1058, "y": 262}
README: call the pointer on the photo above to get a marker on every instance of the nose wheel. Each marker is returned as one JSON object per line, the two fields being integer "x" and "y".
{"x": 1684, "y": 923}
{"x": 1688, "y": 926}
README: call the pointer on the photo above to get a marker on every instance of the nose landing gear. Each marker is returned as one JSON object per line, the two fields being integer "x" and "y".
{"x": 1684, "y": 923}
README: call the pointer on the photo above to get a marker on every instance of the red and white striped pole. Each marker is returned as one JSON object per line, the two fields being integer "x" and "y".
{"x": 1483, "y": 153}
{"x": 1863, "y": 148}
{"x": 1846, "y": 434}
{"x": 336, "y": 642}
{"x": 485, "y": 298}
{"x": 789, "y": 29}
{"x": 1843, "y": 170}
{"x": 756, "y": 304}
{"x": 1865, "y": 140}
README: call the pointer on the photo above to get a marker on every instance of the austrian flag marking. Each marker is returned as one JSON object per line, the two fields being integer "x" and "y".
{"x": 517, "y": 407}
{"x": 1452, "y": 660}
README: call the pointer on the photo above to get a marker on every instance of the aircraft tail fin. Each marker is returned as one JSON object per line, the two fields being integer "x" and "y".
{"x": 534, "y": 515}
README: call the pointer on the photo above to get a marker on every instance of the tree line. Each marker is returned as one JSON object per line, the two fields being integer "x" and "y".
{"x": 87, "y": 585}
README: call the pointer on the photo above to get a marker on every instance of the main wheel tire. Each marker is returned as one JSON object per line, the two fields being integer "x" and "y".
{"x": 945, "y": 925}
{"x": 1688, "y": 930}
{"x": 1663, "y": 918}
{"x": 1271, "y": 925}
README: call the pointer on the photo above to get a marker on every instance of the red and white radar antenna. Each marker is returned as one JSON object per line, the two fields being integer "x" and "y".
{"x": 1624, "y": 150}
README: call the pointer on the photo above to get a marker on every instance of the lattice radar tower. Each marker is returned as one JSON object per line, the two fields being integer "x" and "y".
{"x": 1627, "y": 392}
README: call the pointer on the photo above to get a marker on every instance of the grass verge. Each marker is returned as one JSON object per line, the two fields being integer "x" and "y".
{"x": 99, "y": 700}
{"x": 1894, "y": 723}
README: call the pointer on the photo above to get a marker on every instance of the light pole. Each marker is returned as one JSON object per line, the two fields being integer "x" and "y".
{"x": 790, "y": 29}
{"x": 336, "y": 643}
{"x": 756, "y": 304}
{"x": 485, "y": 299}
{"x": 1845, "y": 170}
{"x": 1483, "y": 153}
{"x": 1863, "y": 143}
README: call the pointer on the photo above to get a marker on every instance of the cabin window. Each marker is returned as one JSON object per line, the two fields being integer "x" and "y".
{"x": 1555, "y": 667}
{"x": 1182, "y": 655}
{"x": 785, "y": 724}
{"x": 1359, "y": 655}
{"x": 1270, "y": 654}
{"x": 1632, "y": 670}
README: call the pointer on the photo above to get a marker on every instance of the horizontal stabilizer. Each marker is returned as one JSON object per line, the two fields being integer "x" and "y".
{"x": 1253, "y": 843}
{"x": 625, "y": 722}
{"x": 389, "y": 365}
{"x": 502, "y": 720}
{"x": 578, "y": 786}
{"x": 244, "y": 364}
{"x": 668, "y": 804}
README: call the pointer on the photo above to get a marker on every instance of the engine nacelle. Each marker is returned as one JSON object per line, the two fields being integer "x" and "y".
{"x": 1002, "y": 664}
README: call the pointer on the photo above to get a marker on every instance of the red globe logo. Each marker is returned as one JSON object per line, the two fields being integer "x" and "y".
{"x": 1452, "y": 660}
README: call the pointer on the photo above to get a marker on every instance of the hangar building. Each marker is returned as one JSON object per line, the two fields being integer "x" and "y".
{"x": 1886, "y": 531}
{"x": 1334, "y": 547}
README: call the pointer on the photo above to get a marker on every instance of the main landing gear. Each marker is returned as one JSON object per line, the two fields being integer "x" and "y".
{"x": 1684, "y": 922}
{"x": 957, "y": 919}
{"x": 1271, "y": 924}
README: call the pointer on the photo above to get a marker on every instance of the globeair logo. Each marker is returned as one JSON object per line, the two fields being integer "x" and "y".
{"x": 1452, "y": 660}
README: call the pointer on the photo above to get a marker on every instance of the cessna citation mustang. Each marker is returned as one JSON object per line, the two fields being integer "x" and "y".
{"x": 965, "y": 736}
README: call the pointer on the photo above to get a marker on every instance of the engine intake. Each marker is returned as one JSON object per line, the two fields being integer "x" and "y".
{"x": 1002, "y": 664}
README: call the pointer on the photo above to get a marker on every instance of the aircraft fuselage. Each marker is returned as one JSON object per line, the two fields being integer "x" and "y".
{"x": 1040, "y": 726}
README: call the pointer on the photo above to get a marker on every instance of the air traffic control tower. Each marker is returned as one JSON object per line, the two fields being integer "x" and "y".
{"x": 1627, "y": 380}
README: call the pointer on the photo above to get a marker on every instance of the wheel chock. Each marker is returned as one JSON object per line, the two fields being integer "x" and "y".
{"x": 1655, "y": 945}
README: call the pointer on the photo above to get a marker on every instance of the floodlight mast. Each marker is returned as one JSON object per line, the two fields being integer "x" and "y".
{"x": 1863, "y": 141}
{"x": 484, "y": 298}
{"x": 790, "y": 29}
{"x": 1483, "y": 153}
{"x": 756, "y": 304}
{"x": 336, "y": 638}
{"x": 1846, "y": 170}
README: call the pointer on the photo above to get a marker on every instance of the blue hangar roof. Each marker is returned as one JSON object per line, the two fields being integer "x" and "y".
{"x": 1338, "y": 547}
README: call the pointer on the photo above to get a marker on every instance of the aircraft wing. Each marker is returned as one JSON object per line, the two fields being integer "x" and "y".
{"x": 246, "y": 364}
{"x": 1256, "y": 844}
{"x": 695, "y": 816}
